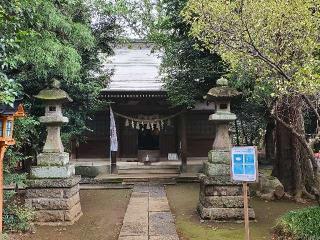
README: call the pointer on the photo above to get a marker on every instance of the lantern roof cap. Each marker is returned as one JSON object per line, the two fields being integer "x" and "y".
{"x": 54, "y": 93}
{"x": 222, "y": 91}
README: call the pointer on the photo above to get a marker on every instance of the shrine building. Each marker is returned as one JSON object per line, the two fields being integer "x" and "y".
{"x": 148, "y": 126}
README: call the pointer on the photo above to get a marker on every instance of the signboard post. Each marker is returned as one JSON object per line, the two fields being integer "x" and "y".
{"x": 244, "y": 168}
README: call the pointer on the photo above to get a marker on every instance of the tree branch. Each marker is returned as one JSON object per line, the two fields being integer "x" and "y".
{"x": 314, "y": 109}
{"x": 258, "y": 53}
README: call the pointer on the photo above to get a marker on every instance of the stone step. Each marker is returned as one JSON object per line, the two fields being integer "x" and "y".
{"x": 133, "y": 178}
{"x": 125, "y": 167}
{"x": 156, "y": 169}
{"x": 187, "y": 178}
{"x": 147, "y": 171}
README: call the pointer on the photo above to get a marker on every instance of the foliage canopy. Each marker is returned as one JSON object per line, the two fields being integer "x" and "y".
{"x": 277, "y": 40}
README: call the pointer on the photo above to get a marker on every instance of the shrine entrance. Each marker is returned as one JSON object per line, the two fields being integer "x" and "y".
{"x": 148, "y": 144}
{"x": 147, "y": 124}
{"x": 148, "y": 139}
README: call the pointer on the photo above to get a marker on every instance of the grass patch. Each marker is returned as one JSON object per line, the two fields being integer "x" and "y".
{"x": 303, "y": 224}
{"x": 189, "y": 230}
{"x": 183, "y": 200}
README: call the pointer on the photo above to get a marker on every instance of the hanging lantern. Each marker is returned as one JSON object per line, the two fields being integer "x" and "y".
{"x": 169, "y": 122}
{"x": 7, "y": 115}
{"x": 132, "y": 124}
{"x": 127, "y": 123}
{"x": 152, "y": 126}
{"x": 148, "y": 126}
{"x": 158, "y": 125}
{"x": 137, "y": 126}
{"x": 162, "y": 124}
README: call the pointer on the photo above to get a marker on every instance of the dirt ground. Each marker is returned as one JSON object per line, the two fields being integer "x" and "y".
{"x": 183, "y": 201}
{"x": 103, "y": 213}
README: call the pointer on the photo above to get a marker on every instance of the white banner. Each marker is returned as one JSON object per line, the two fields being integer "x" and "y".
{"x": 113, "y": 133}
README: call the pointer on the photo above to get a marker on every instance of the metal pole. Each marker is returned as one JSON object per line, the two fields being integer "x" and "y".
{"x": 246, "y": 211}
{"x": 2, "y": 151}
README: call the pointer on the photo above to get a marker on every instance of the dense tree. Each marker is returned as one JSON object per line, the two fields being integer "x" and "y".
{"x": 10, "y": 35}
{"x": 41, "y": 40}
{"x": 278, "y": 42}
{"x": 57, "y": 39}
{"x": 188, "y": 73}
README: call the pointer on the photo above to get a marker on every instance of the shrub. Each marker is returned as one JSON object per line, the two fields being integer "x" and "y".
{"x": 16, "y": 216}
{"x": 303, "y": 224}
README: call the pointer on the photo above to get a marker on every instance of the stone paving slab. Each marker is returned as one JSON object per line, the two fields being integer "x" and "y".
{"x": 134, "y": 238}
{"x": 166, "y": 237}
{"x": 161, "y": 223}
{"x": 157, "y": 190}
{"x": 158, "y": 204}
{"x": 141, "y": 187}
{"x": 148, "y": 216}
{"x": 135, "y": 222}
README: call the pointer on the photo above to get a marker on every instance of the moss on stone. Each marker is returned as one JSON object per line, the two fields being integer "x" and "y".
{"x": 53, "y": 94}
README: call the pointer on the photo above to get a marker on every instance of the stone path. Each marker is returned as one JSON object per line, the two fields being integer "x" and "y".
{"x": 148, "y": 215}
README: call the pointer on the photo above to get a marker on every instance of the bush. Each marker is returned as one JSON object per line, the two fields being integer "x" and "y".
{"x": 303, "y": 224}
{"x": 16, "y": 216}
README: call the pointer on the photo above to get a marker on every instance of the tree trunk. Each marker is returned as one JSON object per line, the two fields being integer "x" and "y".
{"x": 270, "y": 141}
{"x": 292, "y": 165}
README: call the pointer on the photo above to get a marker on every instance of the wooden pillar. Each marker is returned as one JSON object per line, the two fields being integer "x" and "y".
{"x": 183, "y": 139}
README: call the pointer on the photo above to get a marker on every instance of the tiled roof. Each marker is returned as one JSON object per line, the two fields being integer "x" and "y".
{"x": 134, "y": 69}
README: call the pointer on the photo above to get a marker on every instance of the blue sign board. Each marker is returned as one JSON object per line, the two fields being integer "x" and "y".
{"x": 244, "y": 164}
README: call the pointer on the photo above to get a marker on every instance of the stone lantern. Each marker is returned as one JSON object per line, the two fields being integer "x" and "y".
{"x": 53, "y": 151}
{"x": 53, "y": 189}
{"x": 220, "y": 198}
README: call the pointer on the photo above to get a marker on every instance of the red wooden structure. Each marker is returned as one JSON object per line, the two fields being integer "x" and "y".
{"x": 7, "y": 115}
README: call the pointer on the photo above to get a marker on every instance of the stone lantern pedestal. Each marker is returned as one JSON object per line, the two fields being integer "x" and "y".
{"x": 220, "y": 198}
{"x": 53, "y": 188}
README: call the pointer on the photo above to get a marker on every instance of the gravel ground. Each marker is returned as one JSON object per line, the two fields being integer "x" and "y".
{"x": 103, "y": 213}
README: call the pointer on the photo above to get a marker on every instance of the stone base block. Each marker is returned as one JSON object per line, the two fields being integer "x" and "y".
{"x": 52, "y": 171}
{"x": 55, "y": 201}
{"x": 223, "y": 214}
{"x": 219, "y": 156}
{"x": 216, "y": 169}
{"x": 53, "y": 159}
{"x": 221, "y": 201}
{"x": 219, "y": 180}
{"x": 57, "y": 217}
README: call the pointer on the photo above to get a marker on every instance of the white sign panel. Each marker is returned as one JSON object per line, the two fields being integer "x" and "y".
{"x": 244, "y": 164}
{"x": 113, "y": 133}
{"x": 173, "y": 156}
